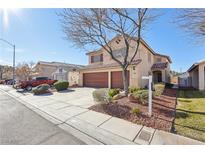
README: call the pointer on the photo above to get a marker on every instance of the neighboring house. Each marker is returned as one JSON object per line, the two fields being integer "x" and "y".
{"x": 197, "y": 74}
{"x": 58, "y": 71}
{"x": 103, "y": 71}
{"x": 184, "y": 80}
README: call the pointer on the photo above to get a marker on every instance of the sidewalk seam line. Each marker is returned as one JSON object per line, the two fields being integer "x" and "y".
{"x": 75, "y": 116}
{"x": 152, "y": 136}
{"x": 137, "y": 134}
{"x": 105, "y": 121}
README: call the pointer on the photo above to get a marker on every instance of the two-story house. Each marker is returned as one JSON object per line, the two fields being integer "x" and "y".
{"x": 58, "y": 71}
{"x": 103, "y": 72}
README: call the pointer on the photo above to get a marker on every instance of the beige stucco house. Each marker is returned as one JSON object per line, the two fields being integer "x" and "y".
{"x": 197, "y": 75}
{"x": 58, "y": 71}
{"x": 103, "y": 71}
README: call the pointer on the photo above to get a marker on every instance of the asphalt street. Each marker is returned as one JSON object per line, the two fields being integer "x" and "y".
{"x": 20, "y": 125}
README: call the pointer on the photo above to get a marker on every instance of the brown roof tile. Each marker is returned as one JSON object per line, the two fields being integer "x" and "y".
{"x": 96, "y": 66}
{"x": 161, "y": 65}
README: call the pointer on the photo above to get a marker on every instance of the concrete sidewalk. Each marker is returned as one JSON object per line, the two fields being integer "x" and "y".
{"x": 73, "y": 115}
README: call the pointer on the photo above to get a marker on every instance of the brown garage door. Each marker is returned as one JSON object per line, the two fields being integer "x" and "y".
{"x": 116, "y": 79}
{"x": 97, "y": 80}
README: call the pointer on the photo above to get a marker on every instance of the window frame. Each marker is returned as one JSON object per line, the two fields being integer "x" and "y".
{"x": 93, "y": 60}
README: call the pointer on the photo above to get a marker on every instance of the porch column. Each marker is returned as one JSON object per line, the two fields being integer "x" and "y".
{"x": 109, "y": 79}
{"x": 201, "y": 77}
{"x": 163, "y": 76}
{"x": 80, "y": 79}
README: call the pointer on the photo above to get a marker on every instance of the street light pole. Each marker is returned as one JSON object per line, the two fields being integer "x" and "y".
{"x": 14, "y": 55}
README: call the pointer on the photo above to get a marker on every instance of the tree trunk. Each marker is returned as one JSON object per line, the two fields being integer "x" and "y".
{"x": 125, "y": 80}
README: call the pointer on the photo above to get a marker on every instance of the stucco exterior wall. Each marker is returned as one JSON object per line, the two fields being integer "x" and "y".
{"x": 45, "y": 70}
{"x": 73, "y": 78}
{"x": 116, "y": 46}
{"x": 194, "y": 78}
{"x": 136, "y": 72}
{"x": 197, "y": 75}
{"x": 163, "y": 59}
{"x": 201, "y": 76}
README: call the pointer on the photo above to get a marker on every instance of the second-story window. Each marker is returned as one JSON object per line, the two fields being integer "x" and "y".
{"x": 97, "y": 58}
{"x": 60, "y": 70}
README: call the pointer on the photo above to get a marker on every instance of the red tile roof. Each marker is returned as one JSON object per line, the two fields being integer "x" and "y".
{"x": 161, "y": 65}
{"x": 96, "y": 66}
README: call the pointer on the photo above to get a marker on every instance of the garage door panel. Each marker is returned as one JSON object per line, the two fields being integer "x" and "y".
{"x": 98, "y": 80}
{"x": 117, "y": 79}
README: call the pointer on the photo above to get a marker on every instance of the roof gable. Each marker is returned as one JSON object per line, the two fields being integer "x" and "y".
{"x": 142, "y": 42}
{"x": 58, "y": 64}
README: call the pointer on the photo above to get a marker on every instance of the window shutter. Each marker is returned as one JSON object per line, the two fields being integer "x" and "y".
{"x": 101, "y": 57}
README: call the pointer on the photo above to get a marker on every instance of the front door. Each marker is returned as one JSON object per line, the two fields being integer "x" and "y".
{"x": 159, "y": 76}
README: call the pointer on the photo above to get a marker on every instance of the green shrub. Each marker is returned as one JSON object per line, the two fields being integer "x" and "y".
{"x": 169, "y": 85}
{"x": 113, "y": 92}
{"x": 100, "y": 95}
{"x": 136, "y": 110}
{"x": 61, "y": 85}
{"x": 41, "y": 89}
{"x": 133, "y": 89}
{"x": 141, "y": 96}
{"x": 158, "y": 89}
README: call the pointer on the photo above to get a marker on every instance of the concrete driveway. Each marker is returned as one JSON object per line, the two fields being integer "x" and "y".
{"x": 61, "y": 105}
{"x": 80, "y": 97}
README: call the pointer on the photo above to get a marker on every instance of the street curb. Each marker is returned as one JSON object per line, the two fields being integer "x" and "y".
{"x": 86, "y": 132}
{"x": 75, "y": 132}
{"x": 89, "y": 139}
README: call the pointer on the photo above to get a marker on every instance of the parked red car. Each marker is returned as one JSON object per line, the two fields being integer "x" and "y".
{"x": 35, "y": 82}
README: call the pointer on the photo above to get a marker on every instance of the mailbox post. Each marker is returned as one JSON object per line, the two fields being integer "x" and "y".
{"x": 149, "y": 78}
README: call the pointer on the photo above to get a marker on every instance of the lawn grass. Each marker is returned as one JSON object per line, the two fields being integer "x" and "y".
{"x": 190, "y": 115}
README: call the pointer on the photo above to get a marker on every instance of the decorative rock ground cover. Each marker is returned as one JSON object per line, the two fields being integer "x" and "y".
{"x": 163, "y": 110}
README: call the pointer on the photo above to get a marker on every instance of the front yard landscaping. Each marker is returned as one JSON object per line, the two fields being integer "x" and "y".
{"x": 134, "y": 108}
{"x": 190, "y": 114}
{"x": 45, "y": 88}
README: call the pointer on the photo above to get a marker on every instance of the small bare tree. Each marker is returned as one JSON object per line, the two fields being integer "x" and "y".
{"x": 96, "y": 27}
{"x": 24, "y": 70}
{"x": 6, "y": 72}
{"x": 192, "y": 21}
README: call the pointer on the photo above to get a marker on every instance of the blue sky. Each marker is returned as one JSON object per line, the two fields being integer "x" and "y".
{"x": 38, "y": 36}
